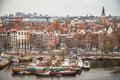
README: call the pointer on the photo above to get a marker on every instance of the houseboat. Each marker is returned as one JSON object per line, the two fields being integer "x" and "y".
{"x": 21, "y": 70}
{"x": 42, "y": 71}
{"x": 60, "y": 71}
{"x": 72, "y": 64}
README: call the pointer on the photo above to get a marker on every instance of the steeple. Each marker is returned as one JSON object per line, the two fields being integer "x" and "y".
{"x": 103, "y": 13}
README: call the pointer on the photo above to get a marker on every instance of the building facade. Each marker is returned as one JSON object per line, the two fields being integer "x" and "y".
{"x": 1, "y": 22}
{"x": 23, "y": 41}
{"x": 18, "y": 39}
{"x": 13, "y": 39}
{"x": 2, "y": 41}
{"x": 51, "y": 41}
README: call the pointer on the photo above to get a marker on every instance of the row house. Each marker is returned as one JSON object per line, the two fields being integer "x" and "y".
{"x": 70, "y": 41}
{"x": 18, "y": 39}
{"x": 47, "y": 36}
{"x": 66, "y": 41}
{"x": 63, "y": 44}
{"x": 53, "y": 40}
{"x": 12, "y": 39}
{"x": 45, "y": 39}
{"x": 36, "y": 39}
{"x": 23, "y": 39}
{"x": 3, "y": 45}
{"x": 1, "y": 24}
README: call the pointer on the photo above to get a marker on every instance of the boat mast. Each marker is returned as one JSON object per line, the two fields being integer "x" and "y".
{"x": 25, "y": 47}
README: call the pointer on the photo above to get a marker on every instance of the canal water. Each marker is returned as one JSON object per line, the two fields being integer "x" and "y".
{"x": 101, "y": 70}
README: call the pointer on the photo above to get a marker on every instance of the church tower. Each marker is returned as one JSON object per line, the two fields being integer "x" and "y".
{"x": 103, "y": 13}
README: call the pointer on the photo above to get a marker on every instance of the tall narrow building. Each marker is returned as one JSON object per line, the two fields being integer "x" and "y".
{"x": 0, "y": 22}
{"x": 103, "y": 13}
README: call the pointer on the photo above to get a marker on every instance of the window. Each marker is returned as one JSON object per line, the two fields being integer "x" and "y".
{"x": 21, "y": 33}
{"x": 18, "y": 33}
{"x": 27, "y": 33}
{"x": 24, "y": 33}
{"x": 22, "y": 41}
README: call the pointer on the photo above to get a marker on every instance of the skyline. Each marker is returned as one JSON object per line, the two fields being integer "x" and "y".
{"x": 61, "y": 7}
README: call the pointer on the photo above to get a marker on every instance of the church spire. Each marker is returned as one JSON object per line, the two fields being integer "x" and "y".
{"x": 103, "y": 12}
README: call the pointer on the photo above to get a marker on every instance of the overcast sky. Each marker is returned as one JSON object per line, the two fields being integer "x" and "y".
{"x": 61, "y": 7}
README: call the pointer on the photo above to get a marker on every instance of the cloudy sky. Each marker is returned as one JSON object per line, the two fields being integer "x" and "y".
{"x": 61, "y": 7}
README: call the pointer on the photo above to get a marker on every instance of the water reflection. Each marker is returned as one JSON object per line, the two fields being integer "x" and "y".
{"x": 105, "y": 63}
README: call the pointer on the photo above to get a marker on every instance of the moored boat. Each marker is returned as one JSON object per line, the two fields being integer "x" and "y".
{"x": 46, "y": 73}
{"x": 86, "y": 65}
{"x": 3, "y": 62}
{"x": 79, "y": 65}
{"x": 20, "y": 70}
{"x": 24, "y": 73}
{"x": 59, "y": 71}
{"x": 72, "y": 64}
{"x": 42, "y": 71}
{"x": 25, "y": 58}
{"x": 14, "y": 59}
{"x": 32, "y": 67}
{"x": 66, "y": 62}
{"x": 64, "y": 73}
{"x": 80, "y": 62}
{"x": 75, "y": 67}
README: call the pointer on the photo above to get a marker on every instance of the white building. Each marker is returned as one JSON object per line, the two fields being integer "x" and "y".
{"x": 23, "y": 41}
{"x": 19, "y": 39}
{"x": 0, "y": 21}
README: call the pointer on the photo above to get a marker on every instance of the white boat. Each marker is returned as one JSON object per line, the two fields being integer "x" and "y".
{"x": 80, "y": 62}
{"x": 76, "y": 65}
{"x": 66, "y": 62}
{"x": 86, "y": 65}
{"x": 15, "y": 59}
